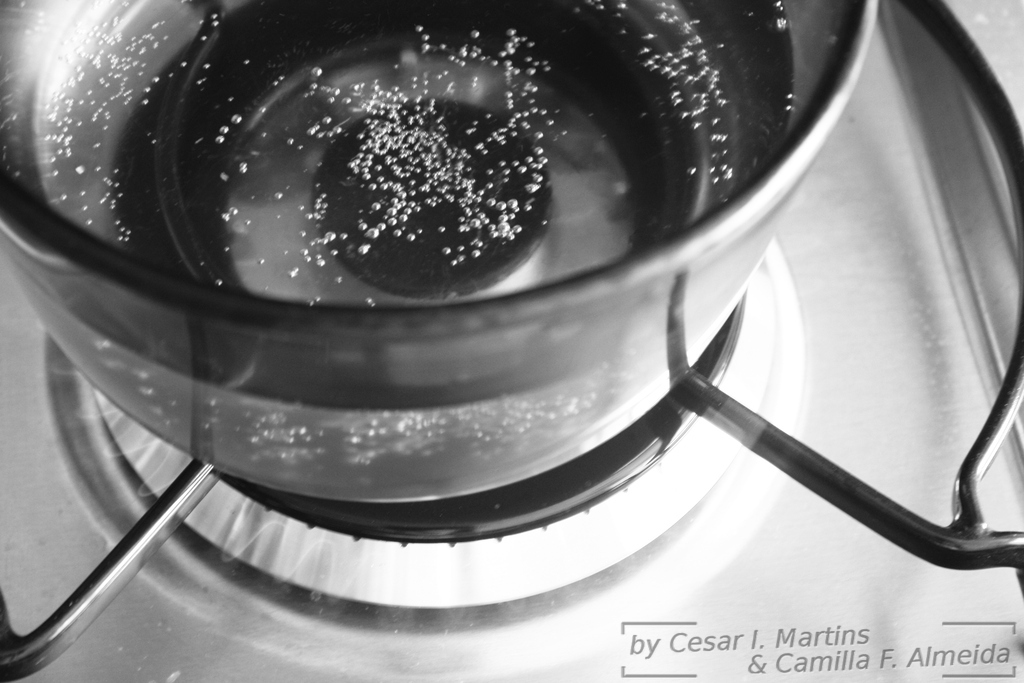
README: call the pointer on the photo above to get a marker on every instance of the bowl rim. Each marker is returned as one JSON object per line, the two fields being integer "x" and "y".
{"x": 38, "y": 229}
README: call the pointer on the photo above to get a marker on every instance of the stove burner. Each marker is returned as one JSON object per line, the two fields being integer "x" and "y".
{"x": 492, "y": 557}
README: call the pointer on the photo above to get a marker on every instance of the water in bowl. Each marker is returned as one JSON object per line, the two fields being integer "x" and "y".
{"x": 359, "y": 156}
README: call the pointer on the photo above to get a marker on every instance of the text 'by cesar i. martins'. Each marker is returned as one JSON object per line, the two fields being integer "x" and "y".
{"x": 688, "y": 649}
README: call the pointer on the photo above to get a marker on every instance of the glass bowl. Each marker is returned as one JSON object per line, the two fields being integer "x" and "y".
{"x": 404, "y": 250}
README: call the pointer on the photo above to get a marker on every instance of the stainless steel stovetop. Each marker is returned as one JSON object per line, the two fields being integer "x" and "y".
{"x": 898, "y": 251}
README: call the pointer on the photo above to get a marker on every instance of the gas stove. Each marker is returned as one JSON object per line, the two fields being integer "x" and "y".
{"x": 871, "y": 332}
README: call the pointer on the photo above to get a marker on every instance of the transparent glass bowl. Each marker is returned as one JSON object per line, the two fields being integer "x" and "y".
{"x": 405, "y": 250}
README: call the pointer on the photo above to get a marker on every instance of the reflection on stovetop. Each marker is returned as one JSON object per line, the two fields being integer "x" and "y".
{"x": 894, "y": 393}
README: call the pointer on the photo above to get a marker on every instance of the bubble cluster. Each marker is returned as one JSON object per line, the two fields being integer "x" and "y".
{"x": 107, "y": 65}
{"x": 779, "y": 21}
{"x": 409, "y": 159}
{"x": 694, "y": 89}
{"x": 689, "y": 71}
